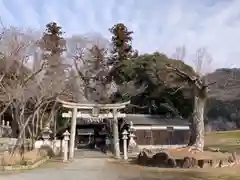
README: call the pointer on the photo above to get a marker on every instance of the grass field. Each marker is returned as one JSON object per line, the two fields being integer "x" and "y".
{"x": 193, "y": 174}
{"x": 228, "y": 141}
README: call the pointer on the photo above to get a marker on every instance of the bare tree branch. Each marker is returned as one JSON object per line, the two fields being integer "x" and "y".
{"x": 179, "y": 88}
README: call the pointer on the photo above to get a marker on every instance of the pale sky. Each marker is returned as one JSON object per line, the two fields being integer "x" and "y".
{"x": 158, "y": 25}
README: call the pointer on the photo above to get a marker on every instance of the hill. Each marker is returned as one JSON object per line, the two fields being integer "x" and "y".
{"x": 224, "y": 100}
{"x": 227, "y": 86}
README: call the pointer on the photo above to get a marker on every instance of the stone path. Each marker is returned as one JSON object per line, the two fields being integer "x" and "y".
{"x": 86, "y": 153}
{"x": 84, "y": 169}
{"x": 87, "y": 165}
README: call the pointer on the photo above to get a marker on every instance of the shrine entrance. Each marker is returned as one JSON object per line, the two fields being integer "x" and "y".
{"x": 92, "y": 135}
{"x": 92, "y": 124}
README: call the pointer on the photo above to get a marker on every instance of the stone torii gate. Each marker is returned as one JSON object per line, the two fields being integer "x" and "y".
{"x": 93, "y": 110}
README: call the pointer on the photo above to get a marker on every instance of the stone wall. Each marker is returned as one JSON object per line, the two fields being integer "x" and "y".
{"x": 56, "y": 145}
{"x": 7, "y": 143}
{"x": 5, "y": 129}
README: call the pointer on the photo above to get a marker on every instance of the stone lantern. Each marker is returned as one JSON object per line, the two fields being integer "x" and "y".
{"x": 46, "y": 135}
{"x": 124, "y": 138}
{"x": 132, "y": 143}
{"x": 131, "y": 127}
{"x": 2, "y": 126}
{"x": 8, "y": 129}
{"x": 66, "y": 138}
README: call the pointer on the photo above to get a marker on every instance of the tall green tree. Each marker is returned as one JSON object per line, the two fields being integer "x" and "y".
{"x": 53, "y": 45}
{"x": 158, "y": 97}
{"x": 52, "y": 40}
{"x": 121, "y": 50}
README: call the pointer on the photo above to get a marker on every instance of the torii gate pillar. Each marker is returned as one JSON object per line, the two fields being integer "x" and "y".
{"x": 116, "y": 135}
{"x": 73, "y": 133}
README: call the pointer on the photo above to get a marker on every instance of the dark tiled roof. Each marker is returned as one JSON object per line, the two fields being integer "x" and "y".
{"x": 144, "y": 119}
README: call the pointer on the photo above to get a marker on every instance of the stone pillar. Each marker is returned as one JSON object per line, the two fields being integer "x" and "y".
{"x": 66, "y": 135}
{"x": 124, "y": 137}
{"x": 73, "y": 133}
{"x": 116, "y": 135}
{"x": 55, "y": 126}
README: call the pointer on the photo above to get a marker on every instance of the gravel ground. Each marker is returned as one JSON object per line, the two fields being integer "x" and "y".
{"x": 102, "y": 169}
{"x": 85, "y": 169}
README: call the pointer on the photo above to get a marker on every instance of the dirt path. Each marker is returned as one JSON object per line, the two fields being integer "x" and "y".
{"x": 82, "y": 168}
{"x": 86, "y": 169}
{"x": 102, "y": 169}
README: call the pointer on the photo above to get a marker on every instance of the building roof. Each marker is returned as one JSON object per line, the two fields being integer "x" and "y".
{"x": 145, "y": 119}
{"x": 85, "y": 131}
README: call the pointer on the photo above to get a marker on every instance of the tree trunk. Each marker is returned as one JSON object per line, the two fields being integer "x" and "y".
{"x": 14, "y": 124}
{"x": 197, "y": 125}
{"x": 55, "y": 126}
{"x": 15, "y": 128}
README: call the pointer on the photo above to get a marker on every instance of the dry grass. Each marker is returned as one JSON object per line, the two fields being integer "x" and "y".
{"x": 228, "y": 141}
{"x": 134, "y": 172}
{"x": 194, "y": 174}
{"x": 225, "y": 141}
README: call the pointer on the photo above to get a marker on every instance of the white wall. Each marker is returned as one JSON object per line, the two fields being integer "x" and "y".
{"x": 157, "y": 127}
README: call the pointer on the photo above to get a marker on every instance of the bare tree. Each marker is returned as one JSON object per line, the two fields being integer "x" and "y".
{"x": 22, "y": 91}
{"x": 90, "y": 59}
{"x": 19, "y": 84}
{"x": 200, "y": 85}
